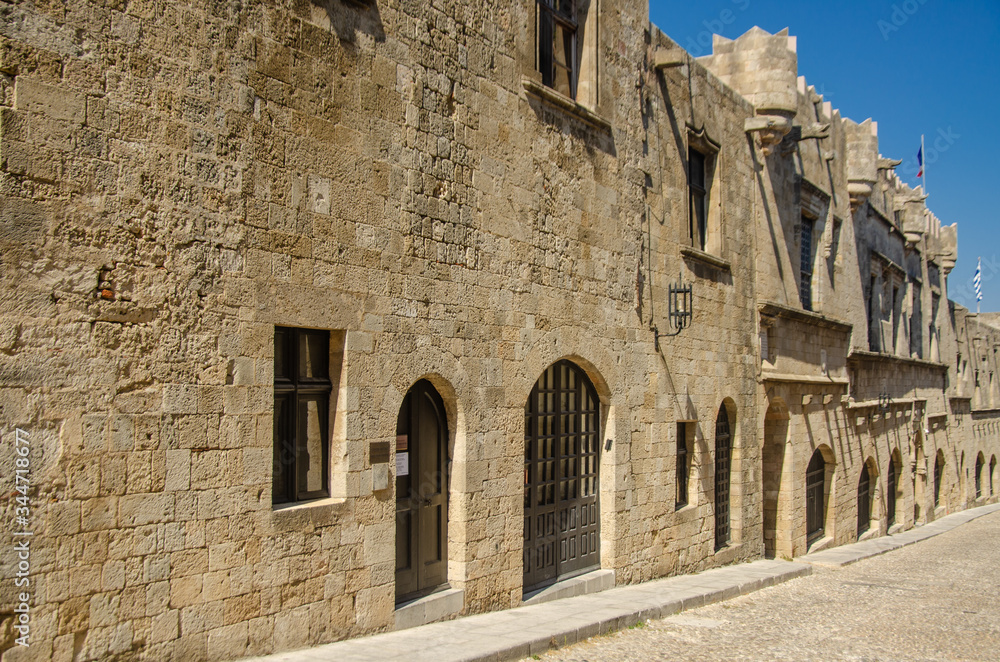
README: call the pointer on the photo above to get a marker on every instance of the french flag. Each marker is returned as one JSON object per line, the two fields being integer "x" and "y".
{"x": 920, "y": 161}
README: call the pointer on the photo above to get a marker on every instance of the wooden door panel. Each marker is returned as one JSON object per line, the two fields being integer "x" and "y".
{"x": 422, "y": 496}
{"x": 561, "y": 465}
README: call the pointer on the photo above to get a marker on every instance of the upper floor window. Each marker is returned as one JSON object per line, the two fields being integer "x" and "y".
{"x": 806, "y": 262}
{"x": 698, "y": 199}
{"x": 557, "y": 45}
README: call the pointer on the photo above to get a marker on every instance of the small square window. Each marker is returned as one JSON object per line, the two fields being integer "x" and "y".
{"x": 302, "y": 391}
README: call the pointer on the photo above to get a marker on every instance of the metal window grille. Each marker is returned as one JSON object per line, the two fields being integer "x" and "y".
{"x": 806, "y": 264}
{"x": 723, "y": 459}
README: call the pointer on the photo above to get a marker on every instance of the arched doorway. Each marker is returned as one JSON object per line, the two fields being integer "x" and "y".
{"x": 562, "y": 439}
{"x": 864, "y": 500}
{"x": 421, "y": 493}
{"x": 723, "y": 462}
{"x": 815, "y": 497}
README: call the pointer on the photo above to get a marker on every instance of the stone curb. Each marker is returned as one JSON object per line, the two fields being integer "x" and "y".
{"x": 529, "y": 630}
{"x": 517, "y": 633}
{"x": 838, "y": 557}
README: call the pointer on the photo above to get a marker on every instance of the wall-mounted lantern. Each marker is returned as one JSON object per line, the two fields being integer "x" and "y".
{"x": 884, "y": 402}
{"x": 680, "y": 310}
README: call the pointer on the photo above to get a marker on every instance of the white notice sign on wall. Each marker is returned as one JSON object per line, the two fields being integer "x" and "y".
{"x": 402, "y": 464}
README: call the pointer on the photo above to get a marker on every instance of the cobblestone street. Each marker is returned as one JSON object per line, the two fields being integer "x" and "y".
{"x": 935, "y": 600}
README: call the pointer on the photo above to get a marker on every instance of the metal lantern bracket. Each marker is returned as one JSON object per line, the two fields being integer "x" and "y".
{"x": 680, "y": 310}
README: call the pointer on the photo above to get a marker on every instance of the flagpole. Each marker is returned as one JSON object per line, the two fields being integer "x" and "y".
{"x": 979, "y": 287}
{"x": 923, "y": 153}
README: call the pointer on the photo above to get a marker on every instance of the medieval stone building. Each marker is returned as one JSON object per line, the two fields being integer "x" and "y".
{"x": 329, "y": 317}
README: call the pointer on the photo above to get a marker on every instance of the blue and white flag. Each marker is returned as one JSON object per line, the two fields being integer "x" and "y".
{"x": 977, "y": 282}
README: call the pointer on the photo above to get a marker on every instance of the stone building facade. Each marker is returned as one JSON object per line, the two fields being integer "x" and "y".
{"x": 325, "y": 318}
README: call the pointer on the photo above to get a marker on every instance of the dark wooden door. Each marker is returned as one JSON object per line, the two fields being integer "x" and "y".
{"x": 561, "y": 453}
{"x": 815, "y": 489}
{"x": 864, "y": 500}
{"x": 723, "y": 460}
{"x": 421, "y": 493}
{"x": 890, "y": 500}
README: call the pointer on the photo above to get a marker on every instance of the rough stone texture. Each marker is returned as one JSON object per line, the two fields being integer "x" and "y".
{"x": 930, "y": 601}
{"x": 178, "y": 179}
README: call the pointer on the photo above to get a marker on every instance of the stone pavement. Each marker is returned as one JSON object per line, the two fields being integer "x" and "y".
{"x": 530, "y": 630}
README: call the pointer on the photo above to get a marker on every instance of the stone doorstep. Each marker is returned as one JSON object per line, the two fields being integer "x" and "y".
{"x": 591, "y": 582}
{"x": 435, "y": 607}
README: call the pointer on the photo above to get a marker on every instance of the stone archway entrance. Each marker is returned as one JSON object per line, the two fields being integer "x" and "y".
{"x": 561, "y": 457}
{"x": 421, "y": 493}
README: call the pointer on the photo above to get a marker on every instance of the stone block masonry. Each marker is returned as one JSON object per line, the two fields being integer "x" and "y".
{"x": 403, "y": 190}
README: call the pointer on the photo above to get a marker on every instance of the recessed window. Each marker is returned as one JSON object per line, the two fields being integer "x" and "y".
{"x": 683, "y": 464}
{"x": 806, "y": 262}
{"x": 302, "y": 390}
{"x": 557, "y": 45}
{"x": 698, "y": 199}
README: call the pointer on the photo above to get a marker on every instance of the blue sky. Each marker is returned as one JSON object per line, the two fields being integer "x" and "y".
{"x": 917, "y": 67}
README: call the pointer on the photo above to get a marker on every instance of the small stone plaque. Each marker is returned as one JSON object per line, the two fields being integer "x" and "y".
{"x": 379, "y": 452}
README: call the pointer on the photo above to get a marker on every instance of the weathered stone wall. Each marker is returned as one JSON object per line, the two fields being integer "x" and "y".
{"x": 176, "y": 180}
{"x": 179, "y": 179}
{"x": 861, "y": 374}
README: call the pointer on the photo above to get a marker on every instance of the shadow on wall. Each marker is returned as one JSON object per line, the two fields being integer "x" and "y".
{"x": 348, "y": 17}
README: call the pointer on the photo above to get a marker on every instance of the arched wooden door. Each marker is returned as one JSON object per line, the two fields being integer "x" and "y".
{"x": 723, "y": 463}
{"x": 561, "y": 455}
{"x": 421, "y": 493}
{"x": 815, "y": 497}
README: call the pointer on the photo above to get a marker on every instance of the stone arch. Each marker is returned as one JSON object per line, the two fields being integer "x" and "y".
{"x": 776, "y": 452}
{"x": 602, "y": 369}
{"x": 571, "y": 344}
{"x": 451, "y": 381}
